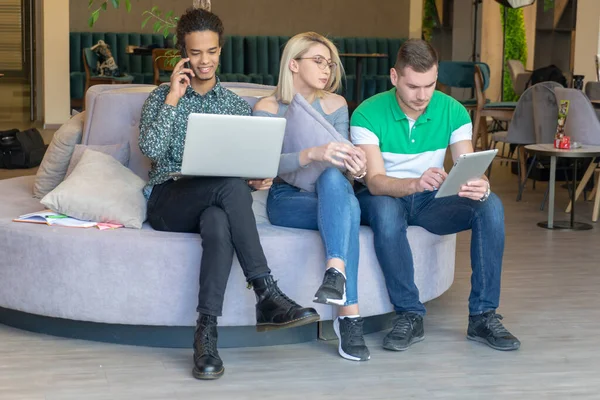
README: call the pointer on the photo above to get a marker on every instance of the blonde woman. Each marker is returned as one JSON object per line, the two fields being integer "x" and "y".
{"x": 310, "y": 66}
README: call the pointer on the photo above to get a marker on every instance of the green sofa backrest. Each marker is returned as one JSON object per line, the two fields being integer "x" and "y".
{"x": 243, "y": 59}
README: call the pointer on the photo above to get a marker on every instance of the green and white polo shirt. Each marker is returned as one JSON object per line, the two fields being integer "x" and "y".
{"x": 410, "y": 147}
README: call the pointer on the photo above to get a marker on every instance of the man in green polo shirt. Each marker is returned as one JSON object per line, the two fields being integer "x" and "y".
{"x": 405, "y": 133}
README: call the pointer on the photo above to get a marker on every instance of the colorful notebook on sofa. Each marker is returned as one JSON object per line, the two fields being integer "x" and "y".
{"x": 51, "y": 218}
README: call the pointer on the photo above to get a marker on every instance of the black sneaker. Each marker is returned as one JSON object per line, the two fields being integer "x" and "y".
{"x": 487, "y": 328}
{"x": 274, "y": 310}
{"x": 333, "y": 288}
{"x": 351, "y": 342}
{"x": 207, "y": 363}
{"x": 408, "y": 329}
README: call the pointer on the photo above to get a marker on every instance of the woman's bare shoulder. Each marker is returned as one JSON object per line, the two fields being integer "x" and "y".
{"x": 268, "y": 104}
{"x": 332, "y": 102}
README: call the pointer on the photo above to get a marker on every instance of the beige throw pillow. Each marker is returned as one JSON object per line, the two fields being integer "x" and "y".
{"x": 54, "y": 166}
{"x": 100, "y": 189}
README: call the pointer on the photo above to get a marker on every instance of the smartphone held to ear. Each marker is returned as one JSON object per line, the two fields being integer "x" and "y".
{"x": 186, "y": 65}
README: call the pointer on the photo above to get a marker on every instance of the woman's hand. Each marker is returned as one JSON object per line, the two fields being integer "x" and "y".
{"x": 357, "y": 165}
{"x": 334, "y": 153}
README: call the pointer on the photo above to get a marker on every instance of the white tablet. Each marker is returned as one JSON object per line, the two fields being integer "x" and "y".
{"x": 468, "y": 167}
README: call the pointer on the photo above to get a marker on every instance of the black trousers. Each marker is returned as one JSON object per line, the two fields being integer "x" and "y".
{"x": 220, "y": 210}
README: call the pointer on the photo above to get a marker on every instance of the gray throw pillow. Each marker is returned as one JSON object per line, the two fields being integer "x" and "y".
{"x": 54, "y": 166}
{"x": 305, "y": 128}
{"x": 100, "y": 189}
{"x": 119, "y": 151}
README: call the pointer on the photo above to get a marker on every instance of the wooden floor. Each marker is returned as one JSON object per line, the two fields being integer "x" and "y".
{"x": 550, "y": 301}
{"x": 549, "y": 298}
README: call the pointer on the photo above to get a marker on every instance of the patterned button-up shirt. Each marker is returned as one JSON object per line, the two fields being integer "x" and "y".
{"x": 163, "y": 127}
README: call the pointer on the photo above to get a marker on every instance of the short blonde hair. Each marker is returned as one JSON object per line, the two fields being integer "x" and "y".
{"x": 295, "y": 48}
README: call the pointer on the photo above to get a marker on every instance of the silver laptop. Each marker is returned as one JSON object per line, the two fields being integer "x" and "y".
{"x": 232, "y": 146}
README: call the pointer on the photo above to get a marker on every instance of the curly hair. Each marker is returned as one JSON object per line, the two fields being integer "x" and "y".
{"x": 198, "y": 20}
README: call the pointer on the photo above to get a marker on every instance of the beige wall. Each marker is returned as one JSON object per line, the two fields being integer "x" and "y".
{"x": 56, "y": 86}
{"x": 373, "y": 18}
{"x": 39, "y": 63}
{"x": 415, "y": 21}
{"x": 491, "y": 46}
{"x": 586, "y": 38}
{"x": 462, "y": 38}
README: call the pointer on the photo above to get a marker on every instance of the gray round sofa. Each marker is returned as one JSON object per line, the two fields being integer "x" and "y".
{"x": 141, "y": 286}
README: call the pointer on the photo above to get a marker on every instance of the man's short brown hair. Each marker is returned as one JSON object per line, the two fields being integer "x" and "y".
{"x": 416, "y": 54}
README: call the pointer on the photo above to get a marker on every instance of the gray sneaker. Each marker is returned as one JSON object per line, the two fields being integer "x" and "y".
{"x": 351, "y": 342}
{"x": 408, "y": 329}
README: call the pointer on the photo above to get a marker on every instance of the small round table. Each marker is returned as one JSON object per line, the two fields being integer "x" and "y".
{"x": 548, "y": 150}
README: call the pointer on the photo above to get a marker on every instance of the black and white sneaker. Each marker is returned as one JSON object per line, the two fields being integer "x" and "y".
{"x": 407, "y": 330}
{"x": 333, "y": 288}
{"x": 487, "y": 329}
{"x": 351, "y": 342}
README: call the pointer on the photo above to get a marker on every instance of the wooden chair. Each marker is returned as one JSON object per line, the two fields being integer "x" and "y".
{"x": 499, "y": 111}
{"x": 518, "y": 76}
{"x": 160, "y": 64}
{"x": 91, "y": 78}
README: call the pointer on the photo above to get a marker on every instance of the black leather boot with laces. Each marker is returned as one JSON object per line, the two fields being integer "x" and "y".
{"x": 487, "y": 328}
{"x": 408, "y": 329}
{"x": 207, "y": 363}
{"x": 274, "y": 310}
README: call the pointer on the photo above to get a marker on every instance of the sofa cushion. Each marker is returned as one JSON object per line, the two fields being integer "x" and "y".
{"x": 100, "y": 189}
{"x": 306, "y": 128}
{"x": 124, "y": 105}
{"x": 259, "y": 206}
{"x": 54, "y": 166}
{"x": 120, "y": 152}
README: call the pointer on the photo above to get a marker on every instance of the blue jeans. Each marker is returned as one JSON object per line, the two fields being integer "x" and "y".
{"x": 333, "y": 210}
{"x": 390, "y": 217}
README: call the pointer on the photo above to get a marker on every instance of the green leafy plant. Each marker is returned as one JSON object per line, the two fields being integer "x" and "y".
{"x": 515, "y": 46}
{"x": 548, "y": 5}
{"x": 162, "y": 22}
{"x": 429, "y": 19}
{"x": 103, "y": 7}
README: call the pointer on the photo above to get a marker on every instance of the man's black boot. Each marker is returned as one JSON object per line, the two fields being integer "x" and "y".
{"x": 274, "y": 310}
{"x": 207, "y": 363}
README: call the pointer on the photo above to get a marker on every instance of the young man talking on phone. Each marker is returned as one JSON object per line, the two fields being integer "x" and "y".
{"x": 405, "y": 133}
{"x": 219, "y": 209}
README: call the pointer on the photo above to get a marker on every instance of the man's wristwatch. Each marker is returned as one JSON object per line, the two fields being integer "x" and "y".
{"x": 486, "y": 194}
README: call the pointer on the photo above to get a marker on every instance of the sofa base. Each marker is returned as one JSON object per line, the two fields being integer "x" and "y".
{"x": 175, "y": 336}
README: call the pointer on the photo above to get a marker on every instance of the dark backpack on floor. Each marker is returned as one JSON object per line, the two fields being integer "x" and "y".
{"x": 21, "y": 149}
{"x": 551, "y": 73}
